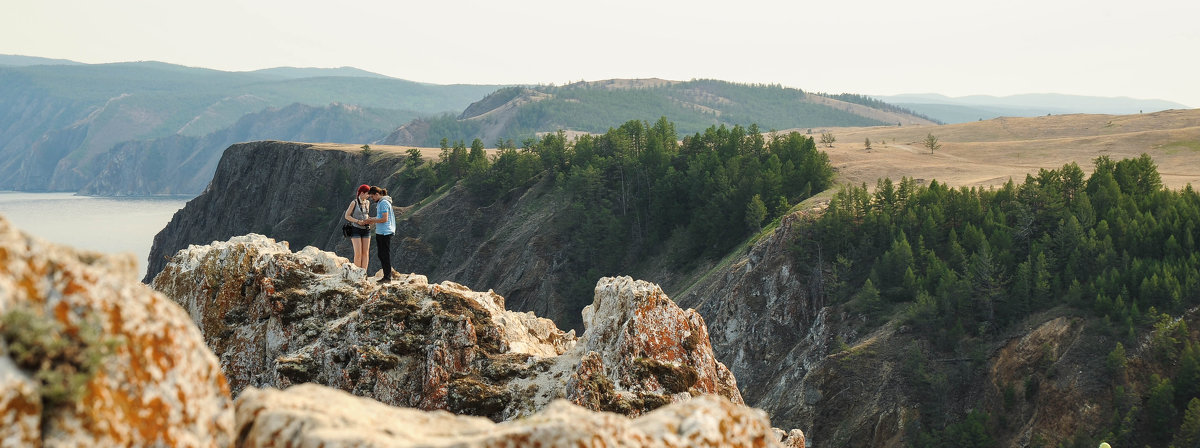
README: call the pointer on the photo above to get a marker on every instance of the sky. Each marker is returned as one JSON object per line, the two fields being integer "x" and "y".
{"x": 1146, "y": 49}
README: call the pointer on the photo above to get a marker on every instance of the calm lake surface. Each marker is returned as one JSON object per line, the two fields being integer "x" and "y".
{"x": 110, "y": 225}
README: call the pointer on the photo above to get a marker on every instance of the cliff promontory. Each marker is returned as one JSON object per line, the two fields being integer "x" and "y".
{"x": 91, "y": 357}
{"x": 296, "y": 192}
{"x": 278, "y": 318}
{"x": 291, "y": 191}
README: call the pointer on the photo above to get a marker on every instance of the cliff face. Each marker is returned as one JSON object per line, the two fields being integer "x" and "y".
{"x": 277, "y": 318}
{"x": 820, "y": 367}
{"x": 90, "y": 357}
{"x": 290, "y": 191}
{"x": 296, "y": 192}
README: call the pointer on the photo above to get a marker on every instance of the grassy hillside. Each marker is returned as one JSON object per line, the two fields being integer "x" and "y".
{"x": 693, "y": 106}
{"x": 59, "y": 120}
{"x": 990, "y": 152}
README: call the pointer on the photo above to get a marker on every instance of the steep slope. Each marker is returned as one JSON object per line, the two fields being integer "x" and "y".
{"x": 294, "y": 192}
{"x": 851, "y": 380}
{"x": 297, "y": 192}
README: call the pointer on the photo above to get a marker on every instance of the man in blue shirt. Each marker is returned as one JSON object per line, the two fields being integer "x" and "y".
{"x": 386, "y": 219}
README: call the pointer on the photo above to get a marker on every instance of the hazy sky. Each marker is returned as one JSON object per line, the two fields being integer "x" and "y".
{"x": 1139, "y": 49}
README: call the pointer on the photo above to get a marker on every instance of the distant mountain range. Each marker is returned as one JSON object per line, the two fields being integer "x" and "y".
{"x": 113, "y": 129}
{"x": 984, "y": 107}
{"x": 60, "y": 121}
{"x": 21, "y": 61}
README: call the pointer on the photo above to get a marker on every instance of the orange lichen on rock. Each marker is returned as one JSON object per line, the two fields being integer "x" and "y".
{"x": 279, "y": 318}
{"x": 146, "y": 376}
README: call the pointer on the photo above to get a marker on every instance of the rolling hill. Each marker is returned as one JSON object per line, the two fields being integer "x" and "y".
{"x": 58, "y": 122}
{"x": 516, "y": 113}
{"x": 988, "y": 153}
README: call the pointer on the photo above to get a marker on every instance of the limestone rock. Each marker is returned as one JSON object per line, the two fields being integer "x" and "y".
{"x": 91, "y": 357}
{"x": 277, "y": 318}
{"x": 313, "y": 415}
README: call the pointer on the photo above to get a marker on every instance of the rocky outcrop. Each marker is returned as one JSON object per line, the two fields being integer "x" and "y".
{"x": 290, "y": 191}
{"x": 312, "y": 415}
{"x": 809, "y": 364}
{"x": 296, "y": 192}
{"x": 821, "y": 367}
{"x": 278, "y": 318}
{"x": 776, "y": 331}
{"x": 91, "y": 357}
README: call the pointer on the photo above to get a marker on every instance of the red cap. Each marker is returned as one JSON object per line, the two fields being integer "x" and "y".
{"x": 363, "y": 188}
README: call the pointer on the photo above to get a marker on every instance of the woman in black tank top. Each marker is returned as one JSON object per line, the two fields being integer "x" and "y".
{"x": 360, "y": 234}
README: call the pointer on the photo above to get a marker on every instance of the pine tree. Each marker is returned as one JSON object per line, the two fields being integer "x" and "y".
{"x": 1160, "y": 406}
{"x": 756, "y": 211}
{"x": 931, "y": 142}
{"x": 1189, "y": 431}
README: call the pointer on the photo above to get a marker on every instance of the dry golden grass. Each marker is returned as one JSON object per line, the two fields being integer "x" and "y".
{"x": 988, "y": 153}
{"x": 390, "y": 150}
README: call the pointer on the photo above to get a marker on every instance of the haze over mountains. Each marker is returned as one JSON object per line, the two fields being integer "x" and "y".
{"x": 128, "y": 128}
{"x": 984, "y": 107}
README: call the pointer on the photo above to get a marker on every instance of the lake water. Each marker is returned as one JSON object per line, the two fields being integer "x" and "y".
{"x": 110, "y": 225}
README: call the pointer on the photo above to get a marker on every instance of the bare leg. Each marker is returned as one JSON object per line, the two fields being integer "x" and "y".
{"x": 366, "y": 251}
{"x": 358, "y": 251}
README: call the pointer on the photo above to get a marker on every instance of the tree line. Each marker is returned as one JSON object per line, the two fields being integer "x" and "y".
{"x": 965, "y": 264}
{"x": 638, "y": 190}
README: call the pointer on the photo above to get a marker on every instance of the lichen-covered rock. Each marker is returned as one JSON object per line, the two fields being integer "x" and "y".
{"x": 313, "y": 415}
{"x": 277, "y": 318}
{"x": 91, "y": 357}
{"x": 648, "y": 344}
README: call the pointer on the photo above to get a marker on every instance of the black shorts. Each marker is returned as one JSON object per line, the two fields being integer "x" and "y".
{"x": 356, "y": 232}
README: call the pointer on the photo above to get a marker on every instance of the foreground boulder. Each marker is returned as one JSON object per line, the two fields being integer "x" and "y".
{"x": 277, "y": 318}
{"x": 91, "y": 357}
{"x": 313, "y": 415}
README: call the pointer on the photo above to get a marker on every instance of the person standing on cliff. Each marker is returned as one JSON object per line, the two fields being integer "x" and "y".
{"x": 386, "y": 219}
{"x": 360, "y": 234}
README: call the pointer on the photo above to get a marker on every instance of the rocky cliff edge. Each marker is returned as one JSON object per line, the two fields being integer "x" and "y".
{"x": 91, "y": 357}
{"x": 277, "y": 318}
